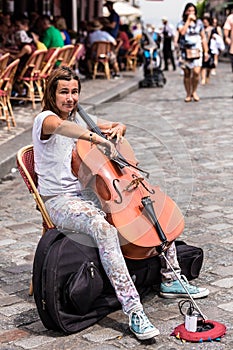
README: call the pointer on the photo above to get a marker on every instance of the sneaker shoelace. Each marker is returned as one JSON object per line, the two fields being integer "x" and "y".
{"x": 141, "y": 320}
{"x": 185, "y": 281}
{"x": 189, "y": 286}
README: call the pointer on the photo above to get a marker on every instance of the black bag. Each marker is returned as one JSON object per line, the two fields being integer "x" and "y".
{"x": 65, "y": 270}
{"x": 210, "y": 63}
{"x": 71, "y": 289}
{"x": 147, "y": 272}
{"x": 190, "y": 259}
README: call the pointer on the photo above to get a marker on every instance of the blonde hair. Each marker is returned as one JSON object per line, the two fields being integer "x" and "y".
{"x": 61, "y": 23}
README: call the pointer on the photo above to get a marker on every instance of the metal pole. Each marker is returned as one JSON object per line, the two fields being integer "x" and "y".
{"x": 183, "y": 285}
{"x": 74, "y": 16}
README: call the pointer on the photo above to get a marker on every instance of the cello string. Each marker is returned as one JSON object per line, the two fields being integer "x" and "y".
{"x": 185, "y": 288}
{"x": 120, "y": 159}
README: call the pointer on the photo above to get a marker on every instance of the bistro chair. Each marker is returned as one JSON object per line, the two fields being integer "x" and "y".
{"x": 49, "y": 63}
{"x": 30, "y": 78}
{"x": 4, "y": 59}
{"x": 65, "y": 54}
{"x": 100, "y": 53}
{"x": 77, "y": 54}
{"x": 131, "y": 56}
{"x": 25, "y": 164}
{"x": 6, "y": 84}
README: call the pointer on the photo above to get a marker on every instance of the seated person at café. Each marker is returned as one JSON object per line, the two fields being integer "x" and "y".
{"x": 7, "y": 30}
{"x": 51, "y": 36}
{"x": 23, "y": 23}
{"x": 26, "y": 47}
{"x": 95, "y": 33}
{"x": 60, "y": 23}
{"x": 124, "y": 46}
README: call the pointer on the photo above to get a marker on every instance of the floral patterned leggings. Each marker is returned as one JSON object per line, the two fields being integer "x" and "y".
{"x": 81, "y": 214}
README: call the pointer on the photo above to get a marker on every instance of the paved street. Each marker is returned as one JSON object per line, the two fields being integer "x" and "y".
{"x": 187, "y": 148}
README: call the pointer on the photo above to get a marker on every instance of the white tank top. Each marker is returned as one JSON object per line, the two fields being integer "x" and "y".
{"x": 53, "y": 160}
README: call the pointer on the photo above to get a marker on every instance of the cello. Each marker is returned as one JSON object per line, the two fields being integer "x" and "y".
{"x": 146, "y": 218}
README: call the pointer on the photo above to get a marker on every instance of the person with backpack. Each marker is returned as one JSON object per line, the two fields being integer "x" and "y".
{"x": 73, "y": 208}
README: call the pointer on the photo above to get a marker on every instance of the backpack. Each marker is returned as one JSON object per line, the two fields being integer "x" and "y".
{"x": 71, "y": 289}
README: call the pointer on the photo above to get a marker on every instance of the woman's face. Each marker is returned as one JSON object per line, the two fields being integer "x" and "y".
{"x": 67, "y": 95}
{"x": 190, "y": 10}
{"x": 206, "y": 23}
{"x": 21, "y": 26}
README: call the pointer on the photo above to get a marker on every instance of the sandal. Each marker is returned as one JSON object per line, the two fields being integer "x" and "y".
{"x": 188, "y": 99}
{"x": 196, "y": 98}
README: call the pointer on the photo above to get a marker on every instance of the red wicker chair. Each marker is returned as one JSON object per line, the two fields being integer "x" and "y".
{"x": 49, "y": 64}
{"x": 78, "y": 52}
{"x": 132, "y": 56}
{"x": 25, "y": 163}
{"x": 6, "y": 84}
{"x": 30, "y": 78}
{"x": 4, "y": 59}
{"x": 65, "y": 54}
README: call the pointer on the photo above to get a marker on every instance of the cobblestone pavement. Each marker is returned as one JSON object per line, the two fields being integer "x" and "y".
{"x": 187, "y": 148}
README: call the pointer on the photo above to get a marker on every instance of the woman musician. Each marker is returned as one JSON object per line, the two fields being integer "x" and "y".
{"x": 71, "y": 208}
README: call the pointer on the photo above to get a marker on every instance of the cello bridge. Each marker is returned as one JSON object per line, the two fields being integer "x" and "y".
{"x": 134, "y": 184}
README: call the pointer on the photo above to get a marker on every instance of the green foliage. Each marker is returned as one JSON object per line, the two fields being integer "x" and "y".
{"x": 201, "y": 5}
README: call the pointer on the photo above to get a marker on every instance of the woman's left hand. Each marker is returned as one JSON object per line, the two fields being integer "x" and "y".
{"x": 116, "y": 131}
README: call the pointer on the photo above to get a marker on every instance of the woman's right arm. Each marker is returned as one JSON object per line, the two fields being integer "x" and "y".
{"x": 204, "y": 45}
{"x": 226, "y": 36}
{"x": 55, "y": 125}
{"x": 183, "y": 29}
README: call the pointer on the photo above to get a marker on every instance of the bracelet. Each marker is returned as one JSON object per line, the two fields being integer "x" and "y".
{"x": 91, "y": 139}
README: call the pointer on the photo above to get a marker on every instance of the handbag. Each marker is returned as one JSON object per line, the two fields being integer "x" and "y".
{"x": 192, "y": 53}
{"x": 210, "y": 63}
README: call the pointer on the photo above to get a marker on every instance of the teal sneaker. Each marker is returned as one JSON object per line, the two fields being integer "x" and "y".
{"x": 174, "y": 289}
{"x": 140, "y": 325}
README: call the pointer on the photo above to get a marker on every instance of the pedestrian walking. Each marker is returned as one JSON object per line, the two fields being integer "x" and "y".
{"x": 167, "y": 40}
{"x": 228, "y": 36}
{"x": 219, "y": 42}
{"x": 207, "y": 65}
{"x": 192, "y": 43}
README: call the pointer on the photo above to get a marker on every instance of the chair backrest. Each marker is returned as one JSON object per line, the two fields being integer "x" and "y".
{"x": 65, "y": 54}
{"x": 7, "y": 77}
{"x": 25, "y": 163}
{"x": 4, "y": 61}
{"x": 33, "y": 65}
{"x": 134, "y": 48}
{"x": 100, "y": 50}
{"x": 49, "y": 53}
{"x": 77, "y": 53}
{"x": 49, "y": 62}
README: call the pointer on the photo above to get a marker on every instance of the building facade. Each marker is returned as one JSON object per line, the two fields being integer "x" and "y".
{"x": 74, "y": 11}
